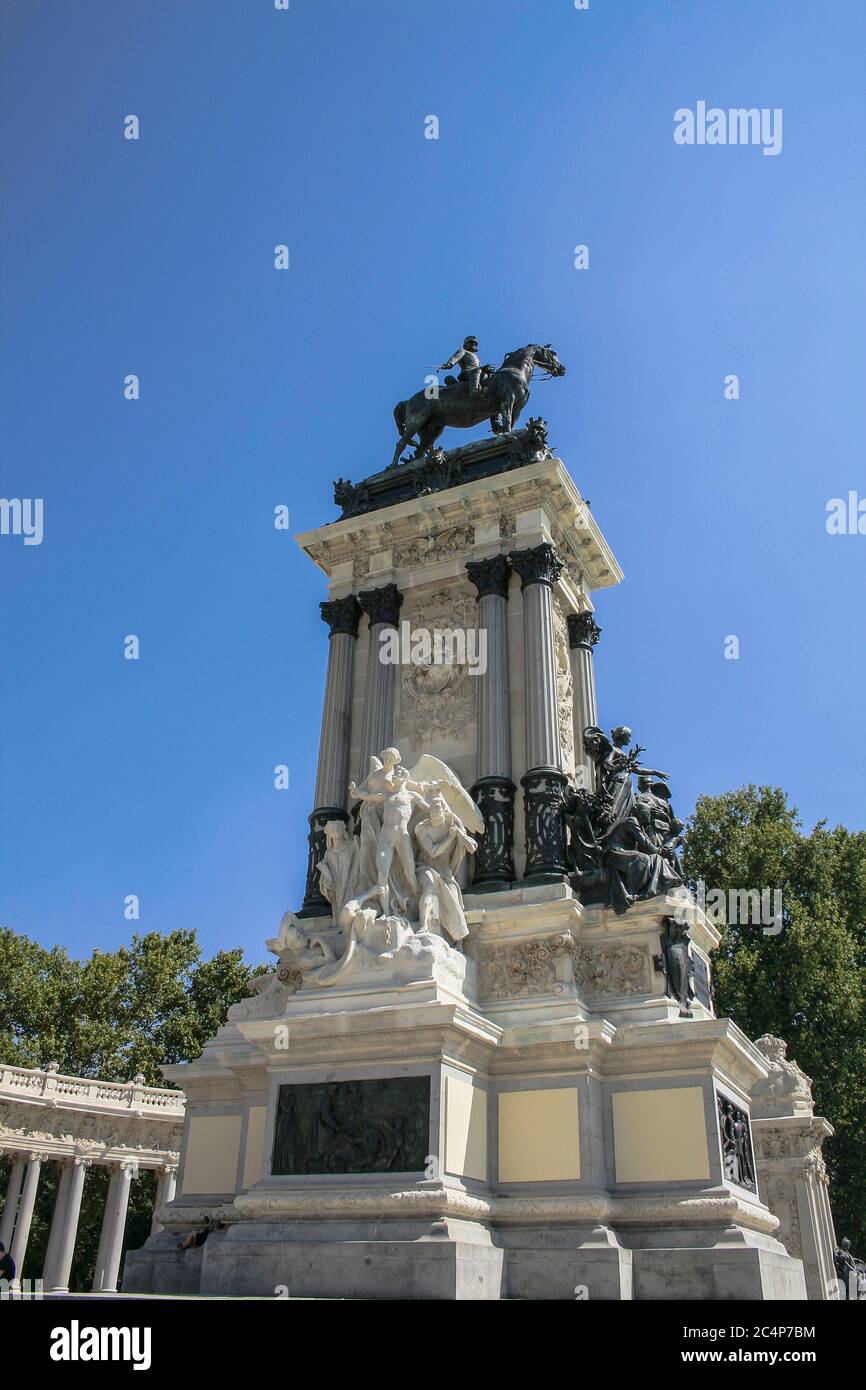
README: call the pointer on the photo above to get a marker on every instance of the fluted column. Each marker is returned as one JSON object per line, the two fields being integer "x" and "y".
{"x": 49, "y": 1265}
{"x": 113, "y": 1228}
{"x": 10, "y": 1208}
{"x": 382, "y": 606}
{"x": 493, "y": 790}
{"x": 583, "y": 633}
{"x": 332, "y": 778}
{"x": 544, "y": 781}
{"x": 69, "y": 1229}
{"x": 105, "y": 1230}
{"x": 165, "y": 1190}
{"x": 25, "y": 1213}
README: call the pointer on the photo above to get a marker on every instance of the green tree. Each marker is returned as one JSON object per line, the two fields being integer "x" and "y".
{"x": 113, "y": 1015}
{"x": 808, "y": 983}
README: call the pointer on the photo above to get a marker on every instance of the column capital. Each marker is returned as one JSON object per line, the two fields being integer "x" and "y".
{"x": 537, "y": 565}
{"x": 341, "y": 615}
{"x": 489, "y": 576}
{"x": 583, "y": 631}
{"x": 382, "y": 605}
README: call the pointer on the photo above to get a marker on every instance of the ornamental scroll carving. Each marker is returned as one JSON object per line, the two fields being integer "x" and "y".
{"x": 543, "y": 966}
{"x": 612, "y": 970}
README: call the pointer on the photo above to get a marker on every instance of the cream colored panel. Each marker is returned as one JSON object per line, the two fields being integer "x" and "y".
{"x": 539, "y": 1139}
{"x": 660, "y": 1136}
{"x": 212, "y": 1148}
{"x": 465, "y": 1129}
{"x": 255, "y": 1144}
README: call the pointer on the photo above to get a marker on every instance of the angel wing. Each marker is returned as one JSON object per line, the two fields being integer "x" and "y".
{"x": 430, "y": 774}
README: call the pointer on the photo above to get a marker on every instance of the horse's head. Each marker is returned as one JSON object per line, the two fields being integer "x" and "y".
{"x": 546, "y": 358}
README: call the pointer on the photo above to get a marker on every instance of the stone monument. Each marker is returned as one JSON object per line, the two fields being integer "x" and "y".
{"x": 487, "y": 1064}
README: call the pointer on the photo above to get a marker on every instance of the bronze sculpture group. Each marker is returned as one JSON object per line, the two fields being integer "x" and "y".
{"x": 623, "y": 841}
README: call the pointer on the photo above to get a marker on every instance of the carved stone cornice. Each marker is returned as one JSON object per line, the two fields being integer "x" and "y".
{"x": 342, "y": 615}
{"x": 489, "y": 576}
{"x": 539, "y": 564}
{"x": 544, "y": 486}
{"x": 583, "y": 631}
{"x": 382, "y": 605}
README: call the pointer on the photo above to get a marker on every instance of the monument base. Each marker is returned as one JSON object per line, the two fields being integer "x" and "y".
{"x": 464, "y": 1260}
{"x": 536, "y": 1123}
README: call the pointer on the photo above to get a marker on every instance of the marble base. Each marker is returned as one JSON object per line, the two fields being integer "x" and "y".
{"x": 572, "y": 1150}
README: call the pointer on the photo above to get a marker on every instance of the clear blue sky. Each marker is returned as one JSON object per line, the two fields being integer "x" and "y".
{"x": 258, "y": 388}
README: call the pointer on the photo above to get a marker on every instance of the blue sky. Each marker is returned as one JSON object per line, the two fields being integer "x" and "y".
{"x": 259, "y": 387}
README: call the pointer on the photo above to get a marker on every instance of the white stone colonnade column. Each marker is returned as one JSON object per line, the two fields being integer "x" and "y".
{"x": 165, "y": 1190}
{"x": 113, "y": 1227}
{"x": 57, "y": 1278}
{"x": 25, "y": 1212}
{"x": 10, "y": 1207}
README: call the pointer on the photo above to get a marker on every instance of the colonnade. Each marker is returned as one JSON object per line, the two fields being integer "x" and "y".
{"x": 17, "y": 1218}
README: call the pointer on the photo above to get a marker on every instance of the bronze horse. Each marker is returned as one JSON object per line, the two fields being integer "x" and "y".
{"x": 500, "y": 398}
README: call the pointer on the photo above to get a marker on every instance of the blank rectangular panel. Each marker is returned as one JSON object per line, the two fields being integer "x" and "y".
{"x": 212, "y": 1148}
{"x": 660, "y": 1135}
{"x": 465, "y": 1129}
{"x": 539, "y": 1138}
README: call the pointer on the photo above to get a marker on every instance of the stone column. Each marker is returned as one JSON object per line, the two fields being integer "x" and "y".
{"x": 544, "y": 781}
{"x": 69, "y": 1230}
{"x": 49, "y": 1267}
{"x": 583, "y": 633}
{"x": 493, "y": 790}
{"x": 165, "y": 1190}
{"x": 25, "y": 1213}
{"x": 10, "y": 1208}
{"x": 792, "y": 1176}
{"x": 99, "y": 1268}
{"x": 332, "y": 779}
{"x": 113, "y": 1227}
{"x": 382, "y": 606}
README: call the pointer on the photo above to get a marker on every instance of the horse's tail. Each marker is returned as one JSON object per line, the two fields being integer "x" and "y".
{"x": 400, "y": 416}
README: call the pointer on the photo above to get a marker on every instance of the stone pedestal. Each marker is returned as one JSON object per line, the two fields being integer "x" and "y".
{"x": 532, "y": 1114}
{"x": 560, "y": 1126}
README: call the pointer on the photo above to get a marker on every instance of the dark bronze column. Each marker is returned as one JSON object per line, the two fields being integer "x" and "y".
{"x": 382, "y": 607}
{"x": 332, "y": 779}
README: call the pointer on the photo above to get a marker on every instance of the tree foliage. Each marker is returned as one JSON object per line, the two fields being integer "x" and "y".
{"x": 808, "y": 983}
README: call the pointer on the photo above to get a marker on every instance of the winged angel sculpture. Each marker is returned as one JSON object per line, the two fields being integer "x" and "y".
{"x": 394, "y": 885}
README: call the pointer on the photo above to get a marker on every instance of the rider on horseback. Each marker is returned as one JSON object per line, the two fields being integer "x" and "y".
{"x": 470, "y": 366}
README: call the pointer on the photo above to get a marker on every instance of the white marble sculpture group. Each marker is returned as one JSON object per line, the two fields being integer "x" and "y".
{"x": 393, "y": 888}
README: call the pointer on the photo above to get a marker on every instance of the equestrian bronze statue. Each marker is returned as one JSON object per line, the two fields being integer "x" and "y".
{"x": 498, "y": 394}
